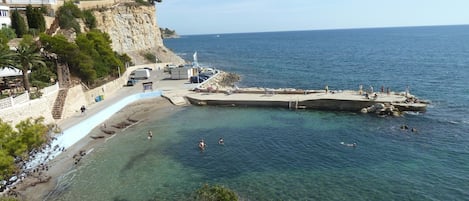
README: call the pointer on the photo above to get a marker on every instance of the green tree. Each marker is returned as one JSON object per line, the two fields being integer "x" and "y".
{"x": 6, "y": 164}
{"x": 8, "y": 199}
{"x": 26, "y": 57}
{"x": 30, "y": 134}
{"x": 214, "y": 193}
{"x": 97, "y": 45}
{"x": 5, "y": 58}
{"x": 80, "y": 64}
{"x": 32, "y": 21}
{"x": 68, "y": 14}
{"x": 6, "y": 160}
{"x": 89, "y": 19}
{"x": 8, "y": 32}
{"x": 35, "y": 18}
{"x": 59, "y": 45}
{"x": 42, "y": 75}
{"x": 89, "y": 58}
{"x": 18, "y": 24}
{"x": 5, "y": 53}
{"x": 33, "y": 132}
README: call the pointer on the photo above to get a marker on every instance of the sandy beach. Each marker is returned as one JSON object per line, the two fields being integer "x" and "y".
{"x": 41, "y": 183}
{"x": 39, "y": 186}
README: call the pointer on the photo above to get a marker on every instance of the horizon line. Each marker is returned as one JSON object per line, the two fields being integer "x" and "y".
{"x": 331, "y": 29}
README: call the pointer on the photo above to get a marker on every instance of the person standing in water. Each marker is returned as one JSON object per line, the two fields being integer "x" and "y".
{"x": 202, "y": 145}
{"x": 150, "y": 135}
{"x": 221, "y": 141}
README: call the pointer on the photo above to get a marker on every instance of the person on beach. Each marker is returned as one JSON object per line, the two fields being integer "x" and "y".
{"x": 326, "y": 89}
{"x": 221, "y": 141}
{"x": 150, "y": 135}
{"x": 83, "y": 109}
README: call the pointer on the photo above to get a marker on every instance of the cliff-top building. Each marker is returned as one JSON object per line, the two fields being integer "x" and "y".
{"x": 5, "y": 20}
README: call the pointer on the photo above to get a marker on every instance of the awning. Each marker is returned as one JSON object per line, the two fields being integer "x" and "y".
{"x": 11, "y": 72}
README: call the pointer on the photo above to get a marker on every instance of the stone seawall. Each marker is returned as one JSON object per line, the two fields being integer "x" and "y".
{"x": 346, "y": 100}
{"x": 35, "y": 108}
{"x": 76, "y": 97}
{"x": 322, "y": 104}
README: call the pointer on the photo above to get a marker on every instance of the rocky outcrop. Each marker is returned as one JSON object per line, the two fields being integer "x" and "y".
{"x": 133, "y": 30}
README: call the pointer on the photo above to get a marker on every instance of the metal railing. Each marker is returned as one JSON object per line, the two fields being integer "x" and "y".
{"x": 32, "y": 2}
{"x": 23, "y": 98}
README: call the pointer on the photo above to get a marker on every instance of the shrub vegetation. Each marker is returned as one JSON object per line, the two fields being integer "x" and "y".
{"x": 214, "y": 193}
{"x": 14, "y": 144}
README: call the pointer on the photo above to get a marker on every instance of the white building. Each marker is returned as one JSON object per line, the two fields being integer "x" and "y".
{"x": 32, "y": 2}
{"x": 5, "y": 20}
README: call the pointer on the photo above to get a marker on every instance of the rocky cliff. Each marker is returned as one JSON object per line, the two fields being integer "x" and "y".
{"x": 133, "y": 30}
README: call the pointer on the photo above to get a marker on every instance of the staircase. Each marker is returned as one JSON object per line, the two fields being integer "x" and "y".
{"x": 53, "y": 27}
{"x": 59, "y": 103}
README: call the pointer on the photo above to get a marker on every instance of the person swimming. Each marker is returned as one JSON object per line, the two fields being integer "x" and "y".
{"x": 150, "y": 135}
{"x": 221, "y": 141}
{"x": 349, "y": 144}
{"x": 202, "y": 145}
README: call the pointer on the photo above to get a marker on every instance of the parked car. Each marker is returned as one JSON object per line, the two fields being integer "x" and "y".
{"x": 198, "y": 79}
{"x": 131, "y": 82}
{"x": 206, "y": 75}
{"x": 142, "y": 74}
{"x": 148, "y": 68}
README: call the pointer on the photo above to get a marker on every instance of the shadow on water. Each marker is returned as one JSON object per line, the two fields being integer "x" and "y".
{"x": 136, "y": 159}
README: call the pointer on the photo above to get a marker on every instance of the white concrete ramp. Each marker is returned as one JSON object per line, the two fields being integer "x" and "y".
{"x": 175, "y": 98}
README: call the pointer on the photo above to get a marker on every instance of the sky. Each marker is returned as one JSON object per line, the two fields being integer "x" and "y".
{"x": 190, "y": 17}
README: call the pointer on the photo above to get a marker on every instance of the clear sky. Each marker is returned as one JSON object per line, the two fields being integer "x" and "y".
{"x": 240, "y": 16}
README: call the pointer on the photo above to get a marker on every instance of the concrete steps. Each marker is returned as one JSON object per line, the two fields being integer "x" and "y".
{"x": 59, "y": 103}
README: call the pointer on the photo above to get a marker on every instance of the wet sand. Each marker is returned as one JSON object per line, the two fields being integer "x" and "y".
{"x": 39, "y": 187}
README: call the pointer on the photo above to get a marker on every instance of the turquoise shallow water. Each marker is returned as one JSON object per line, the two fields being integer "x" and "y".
{"x": 279, "y": 154}
{"x": 276, "y": 154}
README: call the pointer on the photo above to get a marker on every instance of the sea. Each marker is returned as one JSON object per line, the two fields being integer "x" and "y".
{"x": 283, "y": 154}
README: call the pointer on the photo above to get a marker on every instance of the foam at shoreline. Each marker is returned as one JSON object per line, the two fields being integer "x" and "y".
{"x": 78, "y": 131}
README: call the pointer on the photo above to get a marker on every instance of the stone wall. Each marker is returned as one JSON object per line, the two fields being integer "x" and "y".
{"x": 41, "y": 107}
{"x": 76, "y": 97}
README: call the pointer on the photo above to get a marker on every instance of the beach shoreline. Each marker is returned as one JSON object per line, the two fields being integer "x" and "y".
{"x": 43, "y": 185}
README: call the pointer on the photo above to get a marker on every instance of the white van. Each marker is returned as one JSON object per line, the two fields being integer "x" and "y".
{"x": 141, "y": 74}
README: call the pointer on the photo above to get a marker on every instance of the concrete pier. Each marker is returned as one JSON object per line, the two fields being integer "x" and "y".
{"x": 309, "y": 99}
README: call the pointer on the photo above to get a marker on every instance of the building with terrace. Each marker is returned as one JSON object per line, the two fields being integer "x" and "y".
{"x": 5, "y": 20}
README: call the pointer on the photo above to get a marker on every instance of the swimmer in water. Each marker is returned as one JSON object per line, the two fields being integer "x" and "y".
{"x": 202, "y": 145}
{"x": 349, "y": 144}
{"x": 221, "y": 141}
{"x": 150, "y": 135}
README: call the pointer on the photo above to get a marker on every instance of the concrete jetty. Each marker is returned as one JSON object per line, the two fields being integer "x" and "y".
{"x": 341, "y": 100}
{"x": 346, "y": 100}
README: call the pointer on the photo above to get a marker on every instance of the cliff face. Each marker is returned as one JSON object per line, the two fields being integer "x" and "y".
{"x": 133, "y": 30}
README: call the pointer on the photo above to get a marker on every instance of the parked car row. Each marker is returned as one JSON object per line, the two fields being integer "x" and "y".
{"x": 199, "y": 78}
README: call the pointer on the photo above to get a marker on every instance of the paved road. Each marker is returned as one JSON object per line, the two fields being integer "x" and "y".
{"x": 161, "y": 81}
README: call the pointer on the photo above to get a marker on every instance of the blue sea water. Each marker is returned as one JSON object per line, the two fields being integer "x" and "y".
{"x": 281, "y": 154}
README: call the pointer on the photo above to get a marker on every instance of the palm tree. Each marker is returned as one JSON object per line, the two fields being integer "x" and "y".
{"x": 26, "y": 57}
{"x": 6, "y": 56}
